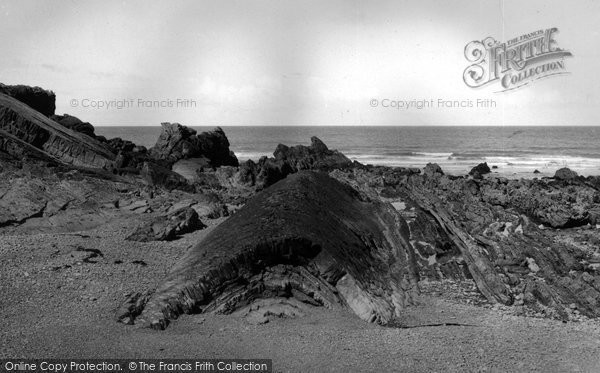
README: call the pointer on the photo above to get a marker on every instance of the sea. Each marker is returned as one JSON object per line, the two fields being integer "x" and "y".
{"x": 514, "y": 151}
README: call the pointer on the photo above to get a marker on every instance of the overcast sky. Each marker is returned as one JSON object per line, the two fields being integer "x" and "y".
{"x": 293, "y": 62}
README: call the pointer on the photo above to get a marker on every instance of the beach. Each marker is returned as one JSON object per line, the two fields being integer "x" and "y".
{"x": 69, "y": 313}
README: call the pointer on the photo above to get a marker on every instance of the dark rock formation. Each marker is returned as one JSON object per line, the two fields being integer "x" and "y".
{"x": 37, "y": 98}
{"x": 493, "y": 227}
{"x": 432, "y": 169}
{"x": 289, "y": 160}
{"x": 308, "y": 237}
{"x": 75, "y": 124}
{"x": 565, "y": 174}
{"x": 168, "y": 227}
{"x": 480, "y": 170}
{"x": 24, "y": 131}
{"x": 314, "y": 157}
{"x": 179, "y": 142}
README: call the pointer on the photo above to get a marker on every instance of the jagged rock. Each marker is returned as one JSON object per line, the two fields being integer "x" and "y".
{"x": 37, "y": 98}
{"x": 536, "y": 171}
{"x": 289, "y": 160}
{"x": 271, "y": 171}
{"x": 246, "y": 175}
{"x": 314, "y": 157}
{"x": 479, "y": 170}
{"x": 180, "y": 142}
{"x": 168, "y": 227}
{"x": 432, "y": 169}
{"x": 492, "y": 227}
{"x": 24, "y": 131}
{"x": 565, "y": 174}
{"x": 307, "y": 233}
{"x": 75, "y": 124}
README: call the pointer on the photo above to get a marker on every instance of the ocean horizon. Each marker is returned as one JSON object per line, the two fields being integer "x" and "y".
{"x": 514, "y": 150}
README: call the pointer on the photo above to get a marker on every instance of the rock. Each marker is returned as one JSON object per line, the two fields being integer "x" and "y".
{"x": 168, "y": 227}
{"x": 314, "y": 157}
{"x": 565, "y": 174}
{"x": 309, "y": 233}
{"x": 157, "y": 175}
{"x": 75, "y": 124}
{"x": 480, "y": 169}
{"x": 432, "y": 169}
{"x": 271, "y": 171}
{"x": 533, "y": 267}
{"x": 119, "y": 145}
{"x": 132, "y": 305}
{"x": 37, "y": 98}
{"x": 25, "y": 132}
{"x": 477, "y": 223}
{"x": 180, "y": 142}
{"x": 289, "y": 160}
{"x": 246, "y": 175}
{"x": 536, "y": 171}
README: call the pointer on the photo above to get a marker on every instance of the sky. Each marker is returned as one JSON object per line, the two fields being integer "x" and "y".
{"x": 295, "y": 62}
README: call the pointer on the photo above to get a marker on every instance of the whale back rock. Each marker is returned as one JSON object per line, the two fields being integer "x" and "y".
{"x": 307, "y": 236}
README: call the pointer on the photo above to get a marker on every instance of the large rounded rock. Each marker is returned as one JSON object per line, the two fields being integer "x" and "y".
{"x": 565, "y": 174}
{"x": 309, "y": 237}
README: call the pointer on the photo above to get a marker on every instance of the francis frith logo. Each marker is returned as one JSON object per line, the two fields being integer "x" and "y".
{"x": 515, "y": 63}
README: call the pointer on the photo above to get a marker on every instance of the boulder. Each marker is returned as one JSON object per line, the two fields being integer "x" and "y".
{"x": 37, "y": 98}
{"x": 479, "y": 170}
{"x": 432, "y": 169}
{"x": 307, "y": 237}
{"x": 168, "y": 227}
{"x": 565, "y": 174}
{"x": 180, "y": 142}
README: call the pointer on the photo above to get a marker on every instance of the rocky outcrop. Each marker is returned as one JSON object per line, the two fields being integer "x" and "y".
{"x": 481, "y": 169}
{"x": 180, "y": 142}
{"x": 565, "y": 174}
{"x": 288, "y": 160}
{"x": 308, "y": 237}
{"x": 168, "y": 227}
{"x": 25, "y": 131}
{"x": 37, "y": 98}
{"x": 75, "y": 124}
{"x": 432, "y": 170}
{"x": 314, "y": 157}
{"x": 496, "y": 228}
